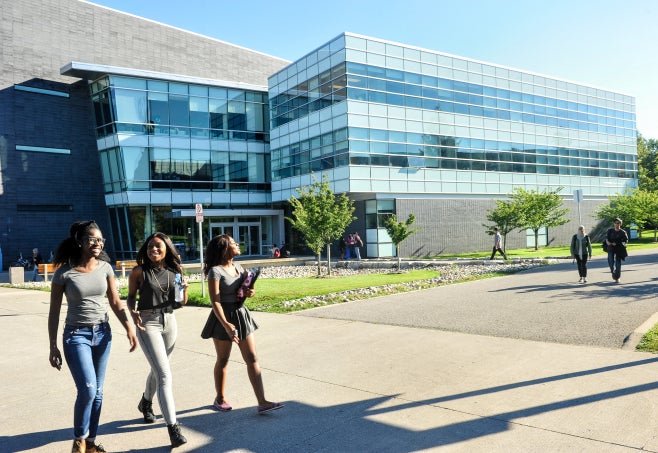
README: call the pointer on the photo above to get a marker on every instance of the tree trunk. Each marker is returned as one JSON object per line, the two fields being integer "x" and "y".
{"x": 537, "y": 239}
{"x": 397, "y": 251}
{"x": 328, "y": 260}
{"x": 319, "y": 270}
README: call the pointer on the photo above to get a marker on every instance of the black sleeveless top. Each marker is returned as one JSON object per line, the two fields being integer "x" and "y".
{"x": 158, "y": 289}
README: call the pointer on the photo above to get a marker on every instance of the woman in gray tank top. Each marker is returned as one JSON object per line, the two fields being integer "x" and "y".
{"x": 154, "y": 280}
{"x": 86, "y": 277}
{"x": 230, "y": 320}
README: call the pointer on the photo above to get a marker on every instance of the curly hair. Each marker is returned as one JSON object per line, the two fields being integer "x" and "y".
{"x": 172, "y": 259}
{"x": 69, "y": 251}
{"x": 218, "y": 252}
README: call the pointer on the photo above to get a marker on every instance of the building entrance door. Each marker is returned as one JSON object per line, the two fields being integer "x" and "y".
{"x": 248, "y": 235}
{"x": 249, "y": 238}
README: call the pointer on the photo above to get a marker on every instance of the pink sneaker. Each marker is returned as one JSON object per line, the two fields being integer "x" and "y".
{"x": 269, "y": 407}
{"x": 224, "y": 406}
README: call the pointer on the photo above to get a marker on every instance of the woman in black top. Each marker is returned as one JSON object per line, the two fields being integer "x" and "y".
{"x": 154, "y": 280}
{"x": 616, "y": 240}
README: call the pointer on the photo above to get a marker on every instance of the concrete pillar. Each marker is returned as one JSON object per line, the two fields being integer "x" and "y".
{"x": 16, "y": 275}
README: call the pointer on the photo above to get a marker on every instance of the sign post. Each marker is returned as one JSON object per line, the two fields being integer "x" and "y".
{"x": 199, "y": 220}
{"x": 578, "y": 197}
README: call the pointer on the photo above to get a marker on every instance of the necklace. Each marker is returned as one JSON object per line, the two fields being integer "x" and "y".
{"x": 164, "y": 291}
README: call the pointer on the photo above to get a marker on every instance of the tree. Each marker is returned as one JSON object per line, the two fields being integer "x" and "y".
{"x": 505, "y": 216}
{"x": 399, "y": 231}
{"x": 320, "y": 216}
{"x": 647, "y": 162}
{"x": 633, "y": 206}
{"x": 621, "y": 206}
{"x": 538, "y": 209}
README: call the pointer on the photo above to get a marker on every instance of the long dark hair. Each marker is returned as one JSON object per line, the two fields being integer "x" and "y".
{"x": 217, "y": 252}
{"x": 172, "y": 260}
{"x": 69, "y": 251}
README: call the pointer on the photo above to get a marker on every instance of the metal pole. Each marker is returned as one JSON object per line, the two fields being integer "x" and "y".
{"x": 203, "y": 286}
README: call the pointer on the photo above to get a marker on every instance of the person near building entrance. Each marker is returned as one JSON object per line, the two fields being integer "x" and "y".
{"x": 358, "y": 243}
{"x": 581, "y": 249}
{"x": 342, "y": 246}
{"x": 230, "y": 321}
{"x": 86, "y": 276}
{"x": 154, "y": 279}
{"x": 349, "y": 252}
{"x": 616, "y": 238}
{"x": 36, "y": 260}
{"x": 498, "y": 244}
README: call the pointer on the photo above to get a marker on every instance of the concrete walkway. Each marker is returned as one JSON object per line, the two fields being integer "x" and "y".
{"x": 531, "y": 362}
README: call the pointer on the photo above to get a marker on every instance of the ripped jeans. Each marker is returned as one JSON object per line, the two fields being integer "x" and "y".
{"x": 87, "y": 350}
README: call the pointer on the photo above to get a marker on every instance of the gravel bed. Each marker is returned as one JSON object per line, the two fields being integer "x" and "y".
{"x": 449, "y": 273}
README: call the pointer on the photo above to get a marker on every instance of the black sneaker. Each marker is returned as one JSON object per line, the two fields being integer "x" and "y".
{"x": 146, "y": 408}
{"x": 175, "y": 436}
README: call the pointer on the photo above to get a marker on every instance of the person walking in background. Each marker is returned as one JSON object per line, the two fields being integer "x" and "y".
{"x": 498, "y": 244}
{"x": 87, "y": 278}
{"x": 349, "y": 252}
{"x": 581, "y": 249}
{"x": 230, "y": 321}
{"x": 358, "y": 243}
{"x": 616, "y": 238}
{"x": 36, "y": 260}
{"x": 342, "y": 246}
{"x": 154, "y": 279}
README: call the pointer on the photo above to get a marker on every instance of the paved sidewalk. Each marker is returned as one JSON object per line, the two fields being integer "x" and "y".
{"x": 376, "y": 375}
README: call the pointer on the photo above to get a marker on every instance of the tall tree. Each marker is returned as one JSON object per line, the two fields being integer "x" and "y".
{"x": 647, "y": 161}
{"x": 634, "y": 206}
{"x": 505, "y": 216}
{"x": 623, "y": 206}
{"x": 321, "y": 216}
{"x": 539, "y": 209}
{"x": 399, "y": 231}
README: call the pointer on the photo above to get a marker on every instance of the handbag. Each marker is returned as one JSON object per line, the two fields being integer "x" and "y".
{"x": 605, "y": 245}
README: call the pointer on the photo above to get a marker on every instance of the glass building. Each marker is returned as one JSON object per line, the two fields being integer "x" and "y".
{"x": 403, "y": 129}
{"x": 167, "y": 142}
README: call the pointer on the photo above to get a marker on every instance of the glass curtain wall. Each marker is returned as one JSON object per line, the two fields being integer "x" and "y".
{"x": 156, "y": 136}
{"x": 417, "y": 109}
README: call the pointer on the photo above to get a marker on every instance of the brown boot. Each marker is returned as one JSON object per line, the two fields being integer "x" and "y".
{"x": 79, "y": 446}
{"x": 94, "y": 448}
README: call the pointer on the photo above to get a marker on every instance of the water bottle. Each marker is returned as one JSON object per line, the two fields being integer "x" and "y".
{"x": 179, "y": 289}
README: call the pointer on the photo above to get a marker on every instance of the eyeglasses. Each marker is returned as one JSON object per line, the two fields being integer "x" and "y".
{"x": 94, "y": 241}
{"x": 617, "y": 223}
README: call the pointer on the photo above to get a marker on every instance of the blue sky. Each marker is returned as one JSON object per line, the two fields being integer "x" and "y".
{"x": 602, "y": 43}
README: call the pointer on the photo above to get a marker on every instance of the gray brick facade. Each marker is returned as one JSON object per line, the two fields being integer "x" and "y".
{"x": 38, "y": 38}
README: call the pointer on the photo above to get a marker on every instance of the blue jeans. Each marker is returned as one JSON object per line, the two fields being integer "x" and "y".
{"x": 87, "y": 350}
{"x": 614, "y": 261}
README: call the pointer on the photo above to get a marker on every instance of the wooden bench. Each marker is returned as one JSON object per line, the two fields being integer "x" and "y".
{"x": 124, "y": 265}
{"x": 45, "y": 269}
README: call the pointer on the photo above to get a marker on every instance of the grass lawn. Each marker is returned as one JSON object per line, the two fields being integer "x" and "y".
{"x": 271, "y": 292}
